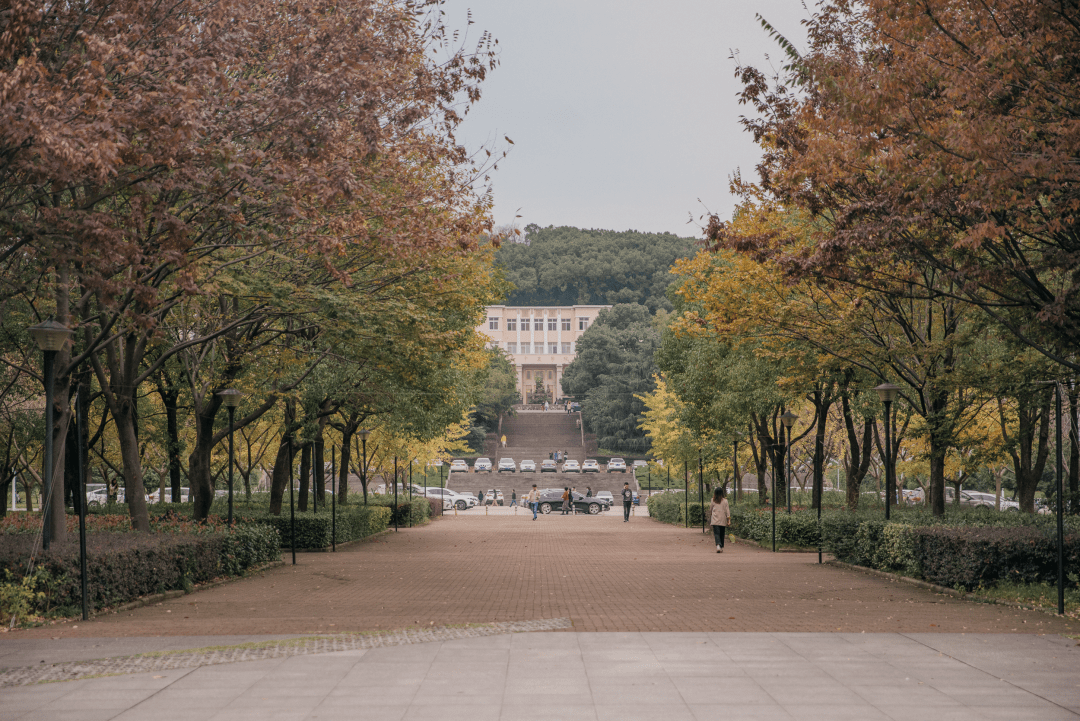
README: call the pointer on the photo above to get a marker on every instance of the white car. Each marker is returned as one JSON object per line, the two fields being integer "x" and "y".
{"x": 452, "y": 499}
{"x": 493, "y": 496}
{"x": 571, "y": 466}
{"x": 459, "y": 466}
{"x": 481, "y": 464}
{"x": 590, "y": 466}
{"x": 507, "y": 464}
{"x": 528, "y": 467}
{"x": 616, "y": 464}
{"x": 606, "y": 496}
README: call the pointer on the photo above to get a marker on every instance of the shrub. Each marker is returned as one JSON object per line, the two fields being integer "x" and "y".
{"x": 125, "y": 566}
{"x": 973, "y": 557}
{"x": 666, "y": 507}
{"x": 316, "y": 530}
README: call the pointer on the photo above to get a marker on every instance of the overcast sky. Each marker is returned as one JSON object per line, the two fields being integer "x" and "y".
{"x": 623, "y": 113}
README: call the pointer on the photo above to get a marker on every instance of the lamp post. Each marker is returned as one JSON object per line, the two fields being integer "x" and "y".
{"x": 363, "y": 433}
{"x": 686, "y": 495}
{"x": 50, "y": 337}
{"x": 701, "y": 489}
{"x": 231, "y": 398}
{"x": 887, "y": 393}
{"x": 735, "y": 464}
{"x": 788, "y": 419}
{"x": 292, "y": 506}
{"x": 396, "y": 510}
{"x": 82, "y": 431}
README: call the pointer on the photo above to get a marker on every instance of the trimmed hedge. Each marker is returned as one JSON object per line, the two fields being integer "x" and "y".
{"x": 125, "y": 566}
{"x": 316, "y": 530}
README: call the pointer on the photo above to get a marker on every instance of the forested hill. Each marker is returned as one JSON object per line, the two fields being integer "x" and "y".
{"x": 568, "y": 266}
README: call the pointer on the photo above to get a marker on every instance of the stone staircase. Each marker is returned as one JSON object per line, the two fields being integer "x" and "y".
{"x": 534, "y": 436}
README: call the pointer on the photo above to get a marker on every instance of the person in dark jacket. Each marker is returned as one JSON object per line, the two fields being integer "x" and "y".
{"x": 627, "y": 501}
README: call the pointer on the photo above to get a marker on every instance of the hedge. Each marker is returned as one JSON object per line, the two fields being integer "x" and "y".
{"x": 124, "y": 566}
{"x": 316, "y": 530}
{"x": 963, "y": 549}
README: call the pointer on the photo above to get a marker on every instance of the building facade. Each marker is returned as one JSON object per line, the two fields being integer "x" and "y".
{"x": 541, "y": 341}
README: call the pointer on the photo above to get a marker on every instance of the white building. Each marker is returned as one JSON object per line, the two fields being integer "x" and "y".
{"x": 541, "y": 341}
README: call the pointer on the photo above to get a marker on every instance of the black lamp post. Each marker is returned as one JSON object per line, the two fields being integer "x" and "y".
{"x": 82, "y": 432}
{"x": 50, "y": 337}
{"x": 735, "y": 464}
{"x": 396, "y": 510}
{"x": 887, "y": 393}
{"x": 363, "y": 433}
{"x": 231, "y": 398}
{"x": 701, "y": 489}
{"x": 333, "y": 498}
{"x": 788, "y": 419}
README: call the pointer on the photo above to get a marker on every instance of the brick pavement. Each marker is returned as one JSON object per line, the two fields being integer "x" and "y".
{"x": 601, "y": 573}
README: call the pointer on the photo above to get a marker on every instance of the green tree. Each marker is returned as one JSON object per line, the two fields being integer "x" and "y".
{"x": 614, "y": 365}
{"x": 568, "y": 266}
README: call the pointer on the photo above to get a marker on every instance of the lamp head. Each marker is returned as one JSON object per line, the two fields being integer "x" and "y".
{"x": 50, "y": 335}
{"x": 231, "y": 397}
{"x": 788, "y": 419}
{"x": 363, "y": 433}
{"x": 887, "y": 392}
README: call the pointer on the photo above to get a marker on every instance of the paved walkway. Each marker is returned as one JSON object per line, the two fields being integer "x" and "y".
{"x": 597, "y": 677}
{"x": 603, "y": 574}
{"x": 744, "y": 635}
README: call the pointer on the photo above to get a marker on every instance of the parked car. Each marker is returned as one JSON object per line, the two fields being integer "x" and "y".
{"x": 481, "y": 464}
{"x": 640, "y": 464}
{"x": 590, "y": 466}
{"x": 575, "y": 407}
{"x": 459, "y": 466}
{"x": 571, "y": 466}
{"x": 493, "y": 496}
{"x": 616, "y": 464}
{"x": 527, "y": 467}
{"x": 507, "y": 464}
{"x": 548, "y": 466}
{"x": 606, "y": 497}
{"x": 185, "y": 496}
{"x": 551, "y": 500}
{"x": 461, "y": 501}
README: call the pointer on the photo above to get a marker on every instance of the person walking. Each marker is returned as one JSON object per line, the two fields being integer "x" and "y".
{"x": 503, "y": 440}
{"x": 534, "y": 500}
{"x": 513, "y": 497}
{"x": 565, "y": 500}
{"x": 480, "y": 495}
{"x": 588, "y": 491}
{"x": 720, "y": 517}
{"x": 627, "y": 501}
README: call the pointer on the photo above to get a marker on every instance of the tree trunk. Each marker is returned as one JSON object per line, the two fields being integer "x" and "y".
{"x": 761, "y": 468}
{"x": 134, "y": 493}
{"x": 343, "y": 465}
{"x": 279, "y": 480}
{"x": 822, "y": 403}
{"x": 200, "y": 476}
{"x": 170, "y": 397}
{"x": 1029, "y": 460}
{"x": 319, "y": 467}
{"x": 305, "y": 475}
{"x": 71, "y": 470}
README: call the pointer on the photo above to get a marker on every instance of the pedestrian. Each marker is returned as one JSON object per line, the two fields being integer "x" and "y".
{"x": 513, "y": 497}
{"x": 480, "y": 495}
{"x": 503, "y": 439}
{"x": 588, "y": 491}
{"x": 534, "y": 500}
{"x": 545, "y": 406}
{"x": 720, "y": 517}
{"x": 565, "y": 501}
{"x": 627, "y": 501}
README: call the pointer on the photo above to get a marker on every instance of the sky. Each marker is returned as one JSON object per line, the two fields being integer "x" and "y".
{"x": 624, "y": 114}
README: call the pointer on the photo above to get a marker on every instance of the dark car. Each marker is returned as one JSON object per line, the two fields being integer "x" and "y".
{"x": 551, "y": 500}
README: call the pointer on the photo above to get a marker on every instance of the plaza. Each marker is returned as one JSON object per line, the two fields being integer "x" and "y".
{"x": 644, "y": 621}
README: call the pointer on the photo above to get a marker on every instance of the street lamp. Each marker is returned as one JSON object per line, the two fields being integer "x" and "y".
{"x": 788, "y": 419}
{"x": 735, "y": 463}
{"x": 363, "y": 433}
{"x": 231, "y": 398}
{"x": 51, "y": 337}
{"x": 887, "y": 393}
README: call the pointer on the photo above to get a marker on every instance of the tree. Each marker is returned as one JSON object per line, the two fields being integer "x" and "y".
{"x": 614, "y": 366}
{"x": 572, "y": 266}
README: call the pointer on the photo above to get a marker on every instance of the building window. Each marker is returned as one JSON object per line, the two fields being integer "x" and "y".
{"x": 549, "y": 375}
{"x": 524, "y": 324}
{"x": 493, "y": 324}
{"x": 566, "y": 324}
{"x": 553, "y": 324}
{"x": 566, "y": 348}
{"x": 554, "y": 348}
{"x": 511, "y": 348}
{"x": 511, "y": 324}
{"x": 526, "y": 347}
{"x": 582, "y": 323}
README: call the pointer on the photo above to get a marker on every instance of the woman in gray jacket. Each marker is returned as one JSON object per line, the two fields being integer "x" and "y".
{"x": 720, "y": 517}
